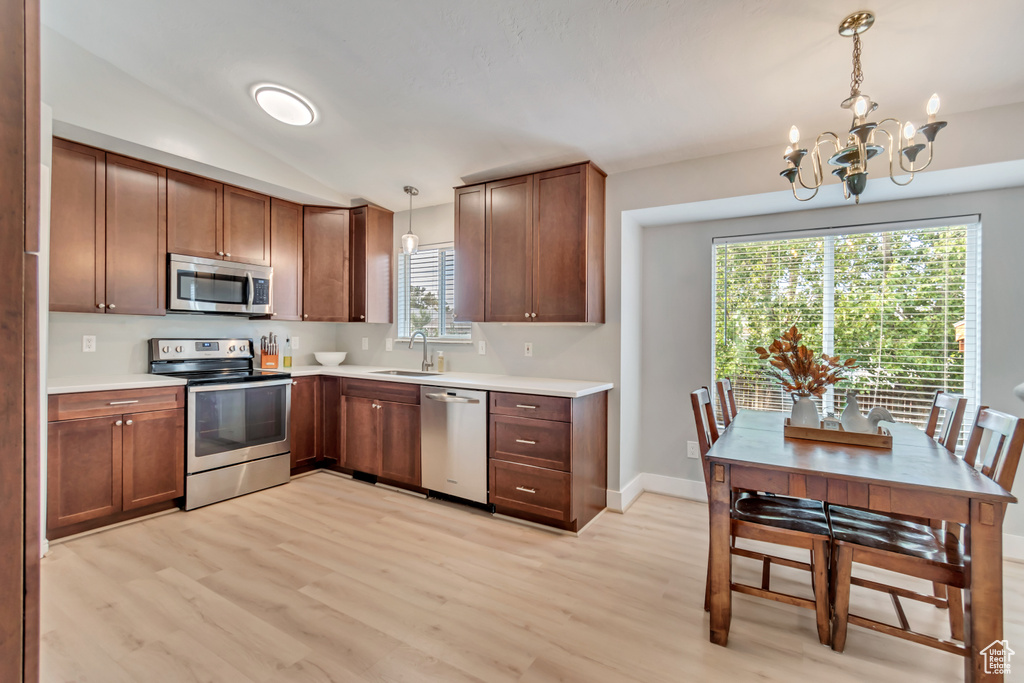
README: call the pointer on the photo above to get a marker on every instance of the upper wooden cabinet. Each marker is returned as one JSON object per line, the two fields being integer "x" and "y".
{"x": 536, "y": 245}
{"x": 286, "y": 258}
{"x": 107, "y": 233}
{"x": 212, "y": 220}
{"x": 372, "y": 244}
{"x": 325, "y": 264}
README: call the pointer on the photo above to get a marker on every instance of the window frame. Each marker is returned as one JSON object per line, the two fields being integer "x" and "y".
{"x": 401, "y": 315}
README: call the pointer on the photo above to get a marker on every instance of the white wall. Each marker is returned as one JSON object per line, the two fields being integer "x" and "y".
{"x": 677, "y": 311}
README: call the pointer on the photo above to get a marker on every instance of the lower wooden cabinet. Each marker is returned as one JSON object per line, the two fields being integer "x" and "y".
{"x": 115, "y": 465}
{"x": 305, "y": 423}
{"x": 382, "y": 437}
{"x": 330, "y": 422}
{"x": 549, "y": 457}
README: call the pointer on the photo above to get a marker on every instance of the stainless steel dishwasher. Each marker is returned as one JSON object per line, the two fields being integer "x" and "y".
{"x": 453, "y": 442}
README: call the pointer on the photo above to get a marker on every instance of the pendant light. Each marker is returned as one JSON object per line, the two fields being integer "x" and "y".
{"x": 410, "y": 242}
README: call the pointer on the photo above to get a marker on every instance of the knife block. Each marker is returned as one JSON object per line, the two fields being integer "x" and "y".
{"x": 268, "y": 362}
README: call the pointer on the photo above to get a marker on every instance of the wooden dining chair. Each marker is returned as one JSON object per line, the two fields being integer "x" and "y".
{"x": 791, "y": 522}
{"x": 951, "y": 407}
{"x": 918, "y": 550}
{"x": 727, "y": 400}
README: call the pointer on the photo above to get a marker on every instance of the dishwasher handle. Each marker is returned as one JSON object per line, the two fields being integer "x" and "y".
{"x": 447, "y": 398}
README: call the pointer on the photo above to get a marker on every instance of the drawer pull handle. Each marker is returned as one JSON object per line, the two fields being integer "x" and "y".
{"x": 122, "y": 403}
{"x": 532, "y": 443}
{"x": 525, "y": 490}
{"x": 527, "y": 407}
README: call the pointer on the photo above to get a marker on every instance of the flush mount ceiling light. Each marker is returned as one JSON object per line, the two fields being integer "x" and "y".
{"x": 866, "y": 139}
{"x": 410, "y": 242}
{"x": 284, "y": 105}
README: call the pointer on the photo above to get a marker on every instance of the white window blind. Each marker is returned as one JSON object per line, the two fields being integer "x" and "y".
{"x": 903, "y": 302}
{"x": 426, "y": 294}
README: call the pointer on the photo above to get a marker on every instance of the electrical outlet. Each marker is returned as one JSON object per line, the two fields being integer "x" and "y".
{"x": 366, "y": 343}
{"x": 295, "y": 343}
{"x": 528, "y": 350}
{"x": 691, "y": 450}
{"x": 481, "y": 347}
{"x": 89, "y": 343}
{"x": 389, "y": 344}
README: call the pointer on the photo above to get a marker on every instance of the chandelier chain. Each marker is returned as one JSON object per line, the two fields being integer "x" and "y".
{"x": 857, "y": 77}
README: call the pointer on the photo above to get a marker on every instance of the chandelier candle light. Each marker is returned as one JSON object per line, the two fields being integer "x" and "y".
{"x": 410, "y": 242}
{"x": 866, "y": 139}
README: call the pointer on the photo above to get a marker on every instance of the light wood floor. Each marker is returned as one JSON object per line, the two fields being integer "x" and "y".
{"x": 327, "y": 579}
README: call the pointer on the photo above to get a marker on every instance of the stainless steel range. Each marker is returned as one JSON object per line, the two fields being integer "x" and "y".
{"x": 237, "y": 416}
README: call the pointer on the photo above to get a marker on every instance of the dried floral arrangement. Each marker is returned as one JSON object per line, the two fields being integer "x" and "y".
{"x": 798, "y": 369}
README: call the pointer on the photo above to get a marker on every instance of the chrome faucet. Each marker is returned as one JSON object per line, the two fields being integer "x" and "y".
{"x": 426, "y": 365}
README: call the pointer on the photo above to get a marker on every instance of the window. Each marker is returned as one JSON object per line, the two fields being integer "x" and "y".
{"x": 903, "y": 300}
{"x": 426, "y": 294}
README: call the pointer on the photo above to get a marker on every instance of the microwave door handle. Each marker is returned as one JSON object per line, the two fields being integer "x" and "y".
{"x": 252, "y": 287}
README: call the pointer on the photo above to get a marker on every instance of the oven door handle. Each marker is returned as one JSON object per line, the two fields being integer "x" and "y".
{"x": 240, "y": 385}
{"x": 252, "y": 287}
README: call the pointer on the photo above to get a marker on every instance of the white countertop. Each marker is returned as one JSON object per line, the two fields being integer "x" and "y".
{"x": 80, "y": 383}
{"x": 569, "y": 388}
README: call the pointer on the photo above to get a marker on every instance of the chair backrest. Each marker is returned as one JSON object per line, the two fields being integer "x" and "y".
{"x": 952, "y": 407}
{"x": 999, "y": 454}
{"x": 707, "y": 429}
{"x": 727, "y": 400}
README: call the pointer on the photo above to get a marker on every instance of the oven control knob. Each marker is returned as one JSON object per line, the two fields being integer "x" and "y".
{"x": 179, "y": 349}
{"x": 231, "y": 349}
{"x": 166, "y": 349}
{"x": 241, "y": 347}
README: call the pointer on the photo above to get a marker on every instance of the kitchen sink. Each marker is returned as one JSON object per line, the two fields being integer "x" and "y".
{"x": 405, "y": 373}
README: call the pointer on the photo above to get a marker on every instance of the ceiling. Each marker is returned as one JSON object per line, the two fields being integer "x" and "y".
{"x": 443, "y": 92}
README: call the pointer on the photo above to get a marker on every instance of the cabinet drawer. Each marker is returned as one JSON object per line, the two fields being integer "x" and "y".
{"x": 543, "y": 443}
{"x": 100, "y": 403}
{"x": 397, "y": 392}
{"x": 527, "y": 405}
{"x": 535, "y": 490}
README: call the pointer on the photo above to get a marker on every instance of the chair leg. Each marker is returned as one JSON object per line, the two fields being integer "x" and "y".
{"x": 819, "y": 581}
{"x": 842, "y": 570}
{"x": 955, "y": 602}
{"x": 938, "y": 589}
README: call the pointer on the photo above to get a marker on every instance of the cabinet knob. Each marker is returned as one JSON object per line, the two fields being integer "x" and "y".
{"x": 101, "y": 305}
{"x": 111, "y": 306}
{"x": 227, "y": 255}
{"x": 220, "y": 253}
{"x": 362, "y": 317}
{"x": 533, "y": 315}
{"x": 128, "y": 422}
{"x": 118, "y": 423}
{"x": 294, "y": 383}
{"x": 305, "y": 315}
{"x": 527, "y": 315}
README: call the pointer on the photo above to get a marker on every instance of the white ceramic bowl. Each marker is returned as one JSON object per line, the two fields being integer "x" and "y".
{"x": 330, "y": 357}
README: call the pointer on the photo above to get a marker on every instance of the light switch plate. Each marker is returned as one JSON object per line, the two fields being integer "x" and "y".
{"x": 366, "y": 343}
{"x": 88, "y": 343}
{"x": 295, "y": 343}
{"x": 691, "y": 450}
{"x": 528, "y": 349}
{"x": 389, "y": 344}
{"x": 481, "y": 347}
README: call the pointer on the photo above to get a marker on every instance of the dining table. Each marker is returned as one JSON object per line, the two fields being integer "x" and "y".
{"x": 917, "y": 476}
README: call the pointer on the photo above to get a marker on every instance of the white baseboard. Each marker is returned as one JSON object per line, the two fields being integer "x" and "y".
{"x": 688, "y": 489}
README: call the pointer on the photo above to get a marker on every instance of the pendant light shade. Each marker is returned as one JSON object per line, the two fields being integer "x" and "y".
{"x": 410, "y": 242}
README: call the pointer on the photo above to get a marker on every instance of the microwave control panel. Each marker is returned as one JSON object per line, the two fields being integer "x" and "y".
{"x": 260, "y": 291}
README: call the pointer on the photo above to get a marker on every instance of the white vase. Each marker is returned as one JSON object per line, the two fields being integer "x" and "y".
{"x": 805, "y": 412}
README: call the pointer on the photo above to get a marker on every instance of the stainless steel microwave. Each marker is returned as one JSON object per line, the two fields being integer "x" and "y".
{"x": 202, "y": 285}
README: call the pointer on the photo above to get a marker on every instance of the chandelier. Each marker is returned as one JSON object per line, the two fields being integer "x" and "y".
{"x": 866, "y": 139}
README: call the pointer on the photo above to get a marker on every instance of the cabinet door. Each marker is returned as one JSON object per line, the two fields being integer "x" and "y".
{"x": 304, "y": 423}
{"x": 153, "y": 457}
{"x": 330, "y": 421}
{"x": 378, "y": 261}
{"x": 325, "y": 264}
{"x": 361, "y": 431}
{"x": 136, "y": 262}
{"x": 560, "y": 245}
{"x": 400, "y": 442}
{"x": 195, "y": 214}
{"x": 509, "y": 227}
{"x": 357, "y": 250}
{"x": 83, "y": 475}
{"x": 246, "y": 226}
{"x": 286, "y": 258}
{"x": 77, "y": 220}
{"x": 469, "y": 253}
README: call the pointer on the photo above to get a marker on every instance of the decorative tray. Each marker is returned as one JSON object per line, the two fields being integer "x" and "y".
{"x": 881, "y": 439}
